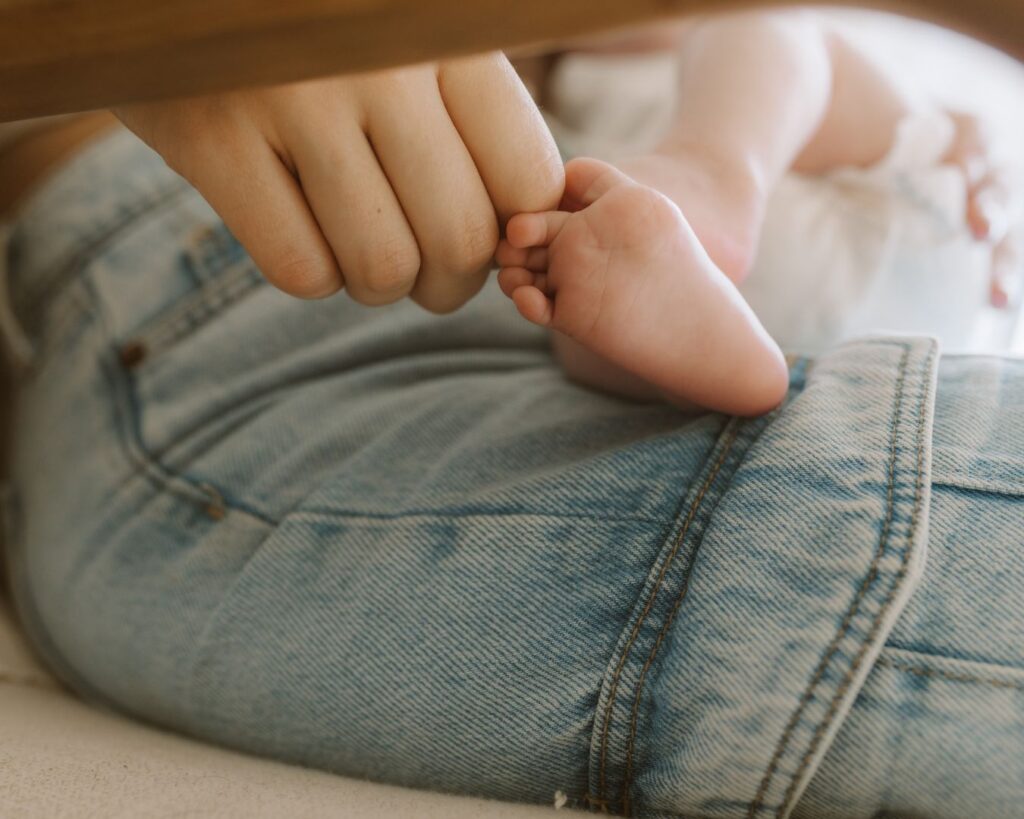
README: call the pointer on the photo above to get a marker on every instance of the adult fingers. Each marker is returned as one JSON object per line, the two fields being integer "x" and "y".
{"x": 587, "y": 180}
{"x": 357, "y": 210}
{"x": 245, "y": 181}
{"x": 505, "y": 133}
{"x": 438, "y": 185}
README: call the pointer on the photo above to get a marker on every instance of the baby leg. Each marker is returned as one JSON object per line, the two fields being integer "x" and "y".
{"x": 759, "y": 94}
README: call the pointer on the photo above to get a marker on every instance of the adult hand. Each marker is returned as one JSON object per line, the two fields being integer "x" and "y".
{"x": 391, "y": 184}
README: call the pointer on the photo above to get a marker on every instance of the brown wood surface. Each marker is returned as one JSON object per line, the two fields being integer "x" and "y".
{"x": 71, "y": 55}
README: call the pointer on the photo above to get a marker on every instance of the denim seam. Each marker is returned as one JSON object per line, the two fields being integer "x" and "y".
{"x": 983, "y": 487}
{"x": 67, "y": 312}
{"x": 923, "y": 671}
{"x": 729, "y": 436}
{"x": 307, "y": 512}
{"x": 851, "y": 612}
{"x": 126, "y": 424}
{"x": 126, "y": 414}
{"x": 666, "y": 626}
{"x": 897, "y": 582}
{"x": 232, "y": 283}
{"x": 49, "y": 321}
{"x": 204, "y": 633}
{"x": 879, "y": 618}
{"x": 146, "y": 207}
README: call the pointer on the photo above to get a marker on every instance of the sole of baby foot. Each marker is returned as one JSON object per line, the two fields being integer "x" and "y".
{"x": 628, "y": 279}
{"x": 721, "y": 198}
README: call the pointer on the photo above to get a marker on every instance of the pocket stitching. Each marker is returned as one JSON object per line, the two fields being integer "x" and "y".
{"x": 901, "y": 573}
{"x": 854, "y": 607}
{"x": 634, "y": 633}
{"x": 635, "y": 710}
{"x": 126, "y": 422}
{"x": 194, "y": 311}
{"x": 851, "y": 611}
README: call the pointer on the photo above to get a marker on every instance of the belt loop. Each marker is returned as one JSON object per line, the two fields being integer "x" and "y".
{"x": 16, "y": 343}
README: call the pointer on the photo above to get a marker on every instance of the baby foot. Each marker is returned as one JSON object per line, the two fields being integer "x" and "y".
{"x": 626, "y": 278}
{"x": 722, "y": 200}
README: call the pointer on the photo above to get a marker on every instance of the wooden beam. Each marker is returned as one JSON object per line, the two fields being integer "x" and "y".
{"x": 58, "y": 56}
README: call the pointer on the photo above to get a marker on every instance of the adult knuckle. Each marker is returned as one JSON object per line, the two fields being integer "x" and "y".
{"x": 479, "y": 240}
{"x": 444, "y": 301}
{"x": 390, "y": 266}
{"x": 304, "y": 276}
{"x": 180, "y": 141}
{"x": 470, "y": 245}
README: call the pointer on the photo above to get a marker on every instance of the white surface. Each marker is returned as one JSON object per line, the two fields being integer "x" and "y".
{"x": 60, "y": 758}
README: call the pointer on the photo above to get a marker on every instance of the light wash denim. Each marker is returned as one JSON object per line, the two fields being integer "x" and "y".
{"x": 405, "y": 547}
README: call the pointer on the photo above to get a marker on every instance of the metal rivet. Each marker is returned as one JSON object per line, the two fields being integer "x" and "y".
{"x": 215, "y": 512}
{"x": 215, "y": 509}
{"x": 132, "y": 354}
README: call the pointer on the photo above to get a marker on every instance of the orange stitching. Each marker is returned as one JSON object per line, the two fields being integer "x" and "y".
{"x": 630, "y": 746}
{"x": 854, "y": 608}
{"x": 613, "y": 690}
{"x": 900, "y": 665}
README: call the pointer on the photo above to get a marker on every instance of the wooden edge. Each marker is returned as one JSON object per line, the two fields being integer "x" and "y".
{"x": 58, "y": 56}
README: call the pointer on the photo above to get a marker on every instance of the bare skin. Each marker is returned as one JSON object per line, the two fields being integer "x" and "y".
{"x": 390, "y": 184}
{"x": 798, "y": 98}
{"x": 761, "y": 94}
{"x": 625, "y": 277}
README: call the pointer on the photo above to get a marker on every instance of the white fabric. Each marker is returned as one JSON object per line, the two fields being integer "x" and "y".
{"x": 856, "y": 250}
{"x": 880, "y": 249}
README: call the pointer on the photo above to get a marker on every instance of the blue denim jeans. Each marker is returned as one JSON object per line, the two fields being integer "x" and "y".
{"x": 401, "y": 546}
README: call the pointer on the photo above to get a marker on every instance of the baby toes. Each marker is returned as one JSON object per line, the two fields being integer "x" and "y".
{"x": 509, "y": 256}
{"x": 533, "y": 305}
{"x": 536, "y": 259}
{"x": 532, "y": 258}
{"x": 535, "y": 229}
{"x": 509, "y": 278}
{"x": 528, "y": 290}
